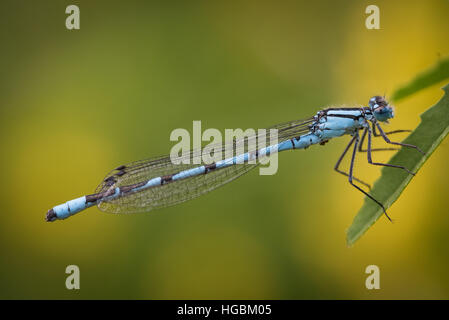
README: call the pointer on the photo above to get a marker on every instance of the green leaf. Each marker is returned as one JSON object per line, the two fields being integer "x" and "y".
{"x": 427, "y": 136}
{"x": 424, "y": 80}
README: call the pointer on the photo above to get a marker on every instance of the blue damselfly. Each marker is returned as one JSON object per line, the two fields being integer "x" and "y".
{"x": 156, "y": 183}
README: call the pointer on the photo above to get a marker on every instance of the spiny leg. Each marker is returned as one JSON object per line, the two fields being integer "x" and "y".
{"x": 376, "y": 149}
{"x": 341, "y": 158}
{"x": 397, "y": 131}
{"x": 384, "y": 135}
{"x": 351, "y": 170}
{"x": 387, "y": 133}
{"x": 370, "y": 160}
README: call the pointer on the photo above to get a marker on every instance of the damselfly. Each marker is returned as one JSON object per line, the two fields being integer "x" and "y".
{"x": 156, "y": 183}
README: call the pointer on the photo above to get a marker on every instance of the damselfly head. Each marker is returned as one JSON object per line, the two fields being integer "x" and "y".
{"x": 381, "y": 108}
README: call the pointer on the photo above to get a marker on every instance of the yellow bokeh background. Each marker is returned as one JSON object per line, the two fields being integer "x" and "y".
{"x": 75, "y": 104}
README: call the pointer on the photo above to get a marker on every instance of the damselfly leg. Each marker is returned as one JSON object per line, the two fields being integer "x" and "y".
{"x": 375, "y": 134}
{"x": 370, "y": 161}
{"x": 358, "y": 146}
{"x": 387, "y": 133}
{"x": 351, "y": 171}
{"x": 362, "y": 140}
{"x": 337, "y": 165}
{"x": 384, "y": 135}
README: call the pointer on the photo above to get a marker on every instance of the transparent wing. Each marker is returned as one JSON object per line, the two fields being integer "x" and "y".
{"x": 292, "y": 129}
{"x": 182, "y": 190}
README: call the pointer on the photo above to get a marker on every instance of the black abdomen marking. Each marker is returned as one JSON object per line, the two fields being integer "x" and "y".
{"x": 208, "y": 168}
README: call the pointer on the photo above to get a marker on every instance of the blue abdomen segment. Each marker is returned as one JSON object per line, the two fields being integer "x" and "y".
{"x": 189, "y": 173}
{"x": 301, "y": 142}
{"x": 306, "y": 141}
{"x": 71, "y": 207}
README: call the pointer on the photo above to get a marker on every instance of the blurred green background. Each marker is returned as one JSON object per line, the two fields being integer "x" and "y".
{"x": 75, "y": 104}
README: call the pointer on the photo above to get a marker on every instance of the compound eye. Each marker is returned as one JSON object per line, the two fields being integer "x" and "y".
{"x": 378, "y": 102}
{"x": 379, "y": 109}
